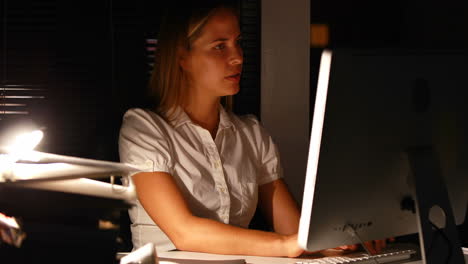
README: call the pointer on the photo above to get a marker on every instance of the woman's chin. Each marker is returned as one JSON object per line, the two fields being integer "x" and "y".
{"x": 230, "y": 91}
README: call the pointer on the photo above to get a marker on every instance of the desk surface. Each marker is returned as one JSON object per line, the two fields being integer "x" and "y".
{"x": 197, "y": 257}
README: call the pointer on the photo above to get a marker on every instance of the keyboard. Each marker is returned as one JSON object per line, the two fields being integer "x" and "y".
{"x": 388, "y": 256}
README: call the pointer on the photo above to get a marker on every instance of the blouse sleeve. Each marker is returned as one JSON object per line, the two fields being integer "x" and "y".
{"x": 270, "y": 168}
{"x": 143, "y": 142}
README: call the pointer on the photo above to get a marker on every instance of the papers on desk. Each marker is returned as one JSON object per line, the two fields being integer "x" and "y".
{"x": 198, "y": 261}
{"x": 147, "y": 255}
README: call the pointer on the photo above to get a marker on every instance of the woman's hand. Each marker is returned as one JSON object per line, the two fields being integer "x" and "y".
{"x": 294, "y": 250}
{"x": 376, "y": 246}
{"x": 337, "y": 251}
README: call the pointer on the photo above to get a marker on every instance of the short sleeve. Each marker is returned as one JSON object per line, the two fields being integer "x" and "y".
{"x": 143, "y": 142}
{"x": 270, "y": 168}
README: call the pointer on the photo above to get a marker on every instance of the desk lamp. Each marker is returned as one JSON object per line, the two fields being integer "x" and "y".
{"x": 22, "y": 166}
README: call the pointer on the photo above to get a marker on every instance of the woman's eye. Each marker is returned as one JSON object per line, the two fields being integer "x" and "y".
{"x": 220, "y": 46}
{"x": 239, "y": 42}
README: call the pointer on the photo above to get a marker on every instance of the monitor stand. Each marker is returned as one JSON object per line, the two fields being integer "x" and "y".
{"x": 438, "y": 235}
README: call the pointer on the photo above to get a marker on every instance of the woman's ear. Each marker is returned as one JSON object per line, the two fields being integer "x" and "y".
{"x": 184, "y": 60}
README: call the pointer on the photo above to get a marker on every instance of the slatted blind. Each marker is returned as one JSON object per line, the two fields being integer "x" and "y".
{"x": 247, "y": 101}
{"x": 55, "y": 70}
{"x": 24, "y": 58}
{"x": 151, "y": 47}
{"x": 75, "y": 67}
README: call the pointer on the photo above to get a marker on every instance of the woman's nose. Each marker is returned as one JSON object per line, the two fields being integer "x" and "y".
{"x": 237, "y": 56}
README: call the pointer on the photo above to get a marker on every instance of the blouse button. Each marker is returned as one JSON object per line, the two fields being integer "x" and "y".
{"x": 222, "y": 189}
{"x": 149, "y": 164}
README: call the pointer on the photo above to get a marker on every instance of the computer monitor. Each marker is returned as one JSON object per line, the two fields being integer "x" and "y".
{"x": 372, "y": 108}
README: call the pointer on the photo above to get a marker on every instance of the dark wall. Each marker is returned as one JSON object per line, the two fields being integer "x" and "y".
{"x": 401, "y": 23}
{"x": 416, "y": 24}
{"x": 366, "y": 24}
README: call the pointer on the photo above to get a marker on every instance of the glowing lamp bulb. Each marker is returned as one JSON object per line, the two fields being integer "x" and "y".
{"x": 21, "y": 149}
{"x": 26, "y": 142}
{"x": 23, "y": 145}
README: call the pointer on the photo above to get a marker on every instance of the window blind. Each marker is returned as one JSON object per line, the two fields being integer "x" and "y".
{"x": 76, "y": 67}
{"x": 25, "y": 28}
{"x": 247, "y": 101}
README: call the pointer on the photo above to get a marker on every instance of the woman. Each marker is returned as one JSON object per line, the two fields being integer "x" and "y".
{"x": 204, "y": 169}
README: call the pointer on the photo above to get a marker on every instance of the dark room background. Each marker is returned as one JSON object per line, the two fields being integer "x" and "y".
{"x": 75, "y": 67}
{"x": 399, "y": 24}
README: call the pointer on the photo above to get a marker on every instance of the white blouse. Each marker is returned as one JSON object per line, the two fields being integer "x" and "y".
{"x": 218, "y": 178}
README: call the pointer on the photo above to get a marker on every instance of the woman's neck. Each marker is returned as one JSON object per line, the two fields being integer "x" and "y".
{"x": 205, "y": 114}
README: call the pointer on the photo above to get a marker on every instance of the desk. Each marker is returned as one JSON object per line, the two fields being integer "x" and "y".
{"x": 249, "y": 259}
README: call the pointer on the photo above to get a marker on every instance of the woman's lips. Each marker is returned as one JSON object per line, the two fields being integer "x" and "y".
{"x": 233, "y": 78}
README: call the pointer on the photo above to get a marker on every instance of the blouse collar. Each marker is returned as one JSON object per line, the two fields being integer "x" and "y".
{"x": 181, "y": 118}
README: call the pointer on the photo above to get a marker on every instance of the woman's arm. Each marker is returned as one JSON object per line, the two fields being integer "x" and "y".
{"x": 162, "y": 199}
{"x": 279, "y": 207}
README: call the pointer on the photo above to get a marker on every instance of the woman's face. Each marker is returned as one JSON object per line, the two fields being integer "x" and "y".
{"x": 214, "y": 62}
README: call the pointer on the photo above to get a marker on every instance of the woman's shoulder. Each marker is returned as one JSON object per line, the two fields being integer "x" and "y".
{"x": 248, "y": 124}
{"x": 141, "y": 113}
{"x": 244, "y": 121}
{"x": 135, "y": 116}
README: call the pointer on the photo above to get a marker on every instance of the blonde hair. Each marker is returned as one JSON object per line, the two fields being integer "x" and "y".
{"x": 179, "y": 29}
